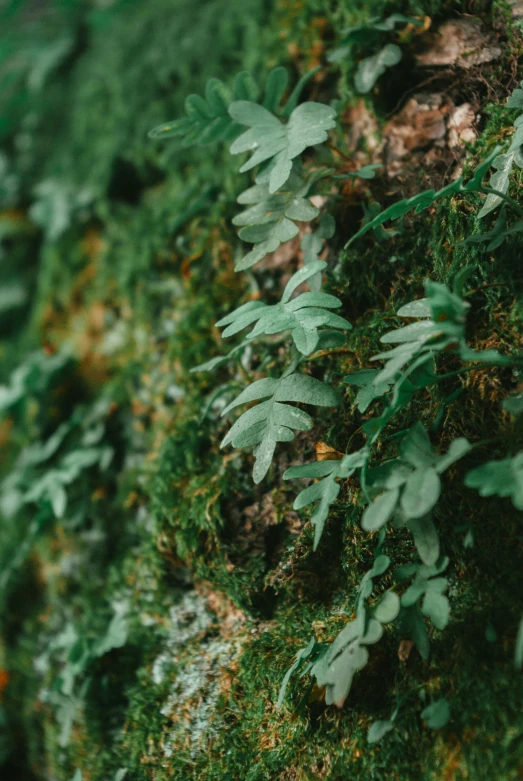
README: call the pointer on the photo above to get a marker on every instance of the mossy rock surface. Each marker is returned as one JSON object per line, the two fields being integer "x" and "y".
{"x": 149, "y": 627}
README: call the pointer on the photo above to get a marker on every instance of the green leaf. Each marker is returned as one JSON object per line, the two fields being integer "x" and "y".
{"x": 303, "y": 316}
{"x": 316, "y": 469}
{"x": 116, "y": 635}
{"x": 378, "y": 730}
{"x": 435, "y": 604}
{"x": 380, "y": 510}
{"x": 498, "y": 181}
{"x": 245, "y": 88}
{"x": 307, "y": 390}
{"x": 409, "y": 365}
{"x": 275, "y": 87}
{"x": 369, "y": 32}
{"x": 425, "y": 538}
{"x": 416, "y": 448}
{"x": 499, "y": 478}
{"x": 270, "y": 219}
{"x": 269, "y": 139}
{"x": 414, "y": 624}
{"x": 207, "y": 119}
{"x": 495, "y": 237}
{"x": 410, "y": 333}
{"x": 457, "y": 449}
{"x": 387, "y": 608}
{"x": 329, "y": 495}
{"x": 361, "y": 378}
{"x": 336, "y": 665}
{"x": 381, "y": 565}
{"x": 272, "y": 421}
{"x": 371, "y": 68}
{"x": 325, "y": 491}
{"x": 341, "y": 673}
{"x": 418, "y": 202}
{"x": 258, "y": 390}
{"x": 514, "y": 404}
{"x": 300, "y": 658}
{"x": 420, "y": 493}
{"x": 50, "y": 487}
{"x": 436, "y": 607}
{"x": 437, "y": 714}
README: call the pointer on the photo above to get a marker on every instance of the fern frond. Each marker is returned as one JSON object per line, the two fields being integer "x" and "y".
{"x": 427, "y": 198}
{"x": 208, "y": 120}
{"x": 275, "y": 420}
{"x": 326, "y": 490}
{"x": 269, "y": 139}
{"x": 271, "y": 218}
{"x": 302, "y": 315}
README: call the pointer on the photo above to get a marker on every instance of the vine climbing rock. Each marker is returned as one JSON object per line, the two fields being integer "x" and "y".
{"x": 261, "y": 393}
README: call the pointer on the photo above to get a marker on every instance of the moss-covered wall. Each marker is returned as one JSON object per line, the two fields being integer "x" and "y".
{"x": 150, "y": 626}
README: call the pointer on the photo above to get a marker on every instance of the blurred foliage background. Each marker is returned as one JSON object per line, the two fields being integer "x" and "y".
{"x": 152, "y": 598}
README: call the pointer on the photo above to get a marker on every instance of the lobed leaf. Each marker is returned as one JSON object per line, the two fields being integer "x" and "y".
{"x": 269, "y": 139}
{"x": 273, "y": 421}
{"x": 499, "y": 478}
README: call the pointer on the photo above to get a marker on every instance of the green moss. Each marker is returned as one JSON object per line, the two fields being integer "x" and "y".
{"x": 216, "y": 577}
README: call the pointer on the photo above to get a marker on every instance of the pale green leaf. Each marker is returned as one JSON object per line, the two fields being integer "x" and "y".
{"x": 380, "y": 510}
{"x": 418, "y": 308}
{"x": 457, "y": 449}
{"x": 269, "y": 139}
{"x": 270, "y": 219}
{"x": 425, "y": 539}
{"x": 416, "y": 448}
{"x": 381, "y": 565}
{"x": 436, "y": 607}
{"x": 501, "y": 478}
{"x": 258, "y": 390}
{"x": 387, "y": 608}
{"x": 420, "y": 493}
{"x": 498, "y": 181}
{"x": 371, "y": 68}
{"x": 316, "y": 469}
{"x": 378, "y": 730}
{"x": 306, "y": 390}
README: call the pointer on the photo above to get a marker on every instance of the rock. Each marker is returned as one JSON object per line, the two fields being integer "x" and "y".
{"x": 516, "y": 8}
{"x": 460, "y": 125}
{"x": 458, "y": 42}
{"x": 426, "y": 120}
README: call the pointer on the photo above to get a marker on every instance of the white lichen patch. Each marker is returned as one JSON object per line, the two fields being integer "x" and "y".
{"x": 197, "y": 678}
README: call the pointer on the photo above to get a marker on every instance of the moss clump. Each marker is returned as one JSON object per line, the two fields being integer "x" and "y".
{"x": 149, "y": 627}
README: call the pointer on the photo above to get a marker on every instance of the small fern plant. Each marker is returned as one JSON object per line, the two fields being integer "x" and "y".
{"x": 398, "y": 492}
